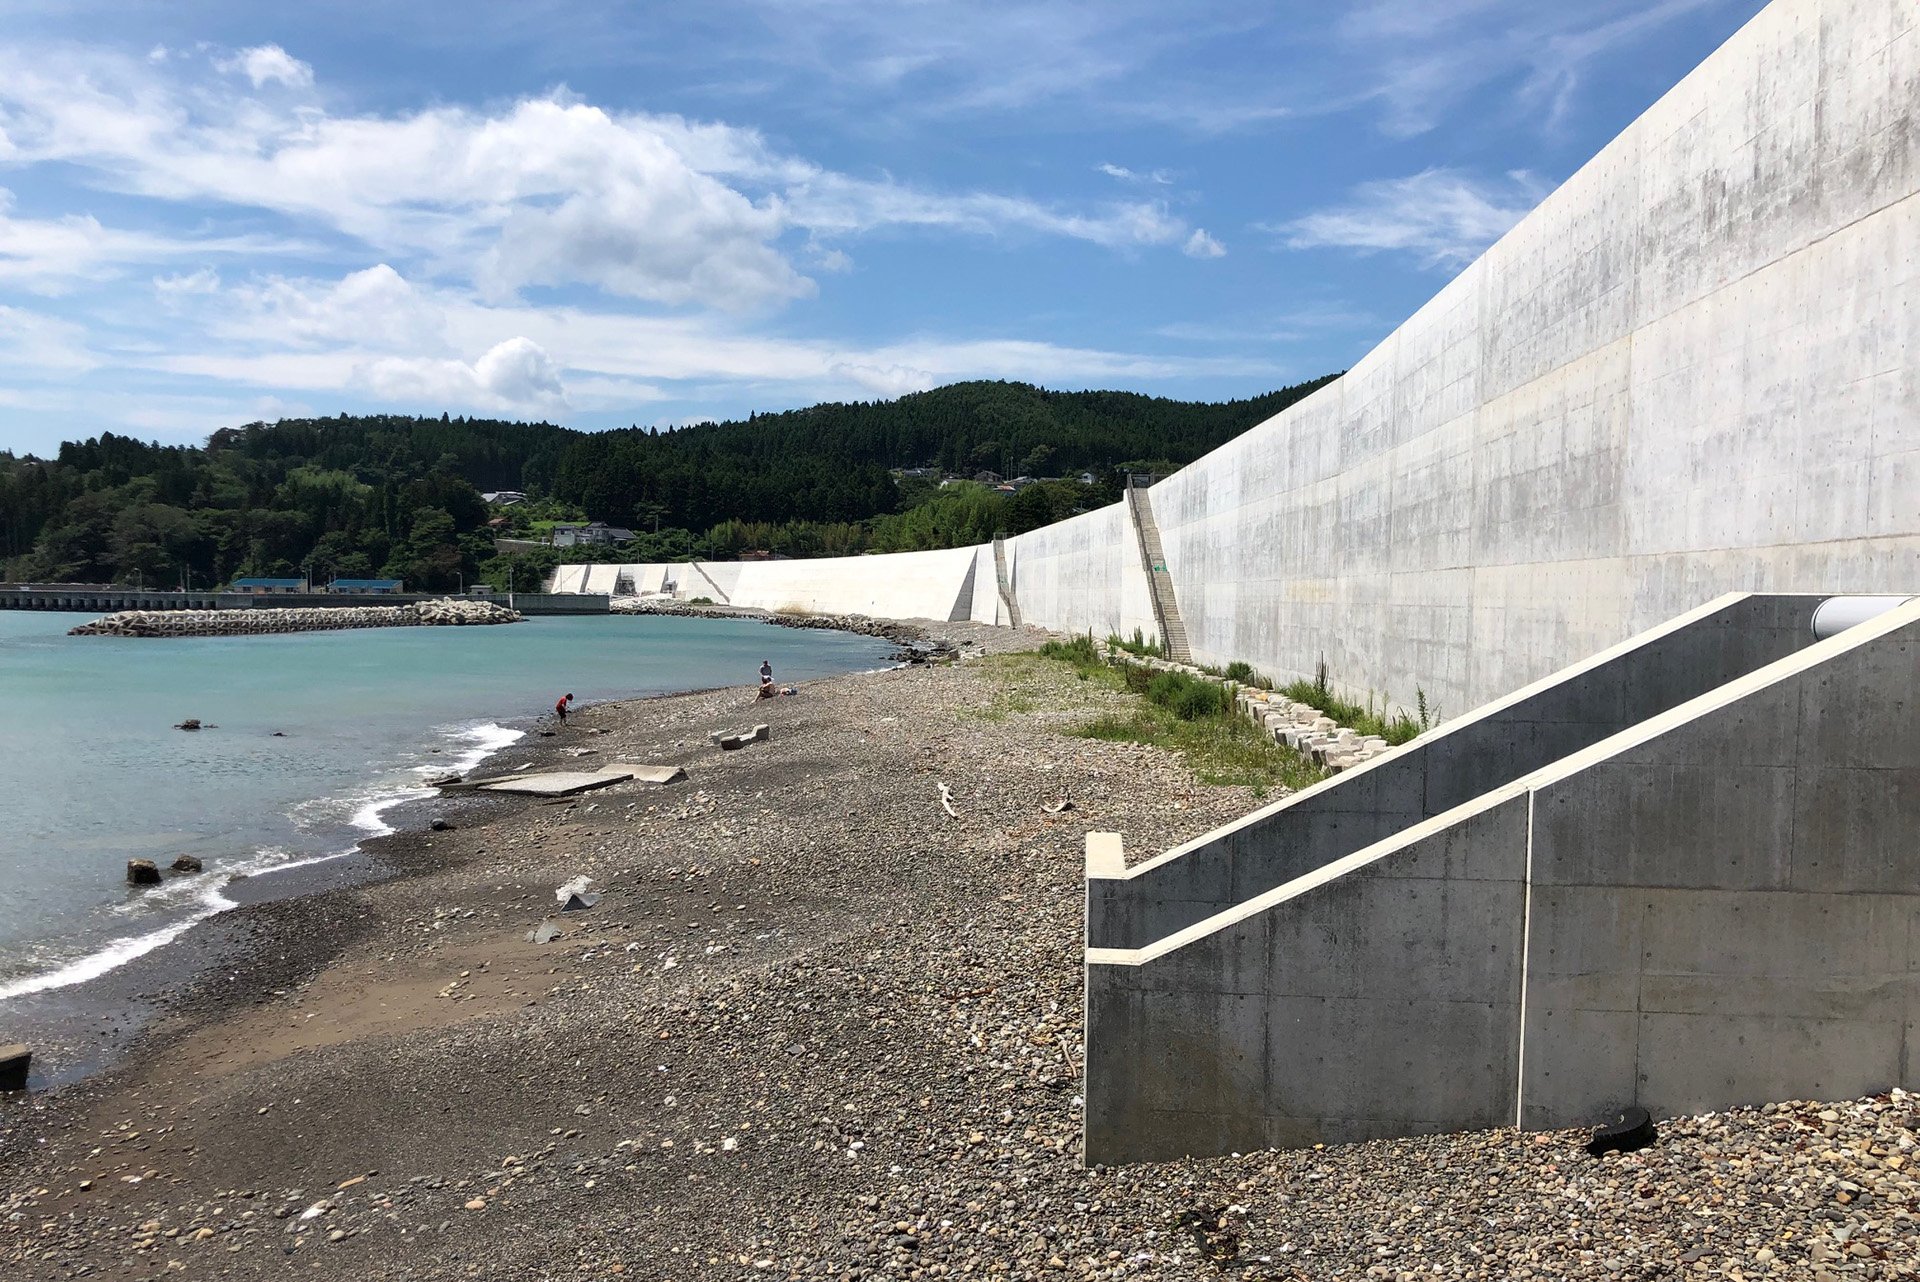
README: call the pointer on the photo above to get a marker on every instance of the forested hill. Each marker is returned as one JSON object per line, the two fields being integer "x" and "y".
{"x": 354, "y": 496}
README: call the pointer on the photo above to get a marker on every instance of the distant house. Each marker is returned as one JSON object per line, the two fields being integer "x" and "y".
{"x": 987, "y": 478}
{"x": 366, "y": 587}
{"x": 269, "y": 585}
{"x": 1088, "y": 478}
{"x": 593, "y": 532}
{"x": 504, "y": 498}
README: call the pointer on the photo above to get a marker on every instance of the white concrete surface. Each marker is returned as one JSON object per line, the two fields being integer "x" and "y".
{"x": 1694, "y": 369}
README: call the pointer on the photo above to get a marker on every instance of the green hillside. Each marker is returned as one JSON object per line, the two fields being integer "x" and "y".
{"x": 394, "y": 495}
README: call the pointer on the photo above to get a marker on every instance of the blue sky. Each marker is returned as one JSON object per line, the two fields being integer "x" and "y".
{"x": 213, "y": 212}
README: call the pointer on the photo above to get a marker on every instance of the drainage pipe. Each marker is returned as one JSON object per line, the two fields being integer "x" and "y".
{"x": 1838, "y": 613}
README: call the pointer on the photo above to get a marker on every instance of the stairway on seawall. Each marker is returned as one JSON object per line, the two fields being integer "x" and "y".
{"x": 1173, "y": 633}
{"x": 718, "y": 595}
{"x": 1007, "y": 598}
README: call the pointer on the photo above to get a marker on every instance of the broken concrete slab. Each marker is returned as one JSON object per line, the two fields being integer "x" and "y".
{"x": 580, "y": 901}
{"x": 545, "y": 933}
{"x": 651, "y": 774}
{"x": 741, "y": 738}
{"x": 558, "y": 783}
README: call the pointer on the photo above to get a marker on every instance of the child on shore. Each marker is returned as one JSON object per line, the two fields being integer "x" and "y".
{"x": 560, "y": 707}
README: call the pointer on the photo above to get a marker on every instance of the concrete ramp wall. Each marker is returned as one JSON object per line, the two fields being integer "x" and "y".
{"x": 1447, "y": 767}
{"x": 1713, "y": 907}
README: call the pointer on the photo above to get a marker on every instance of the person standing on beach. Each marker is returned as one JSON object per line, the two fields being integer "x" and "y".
{"x": 560, "y": 707}
{"x": 766, "y": 672}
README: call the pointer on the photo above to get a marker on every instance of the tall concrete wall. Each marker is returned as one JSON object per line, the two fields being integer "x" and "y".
{"x": 1711, "y": 908}
{"x": 1083, "y": 574}
{"x": 1694, "y": 369}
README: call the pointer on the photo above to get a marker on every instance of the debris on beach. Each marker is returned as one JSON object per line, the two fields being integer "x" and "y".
{"x": 1630, "y": 1131}
{"x": 574, "y": 897}
{"x": 545, "y": 933}
{"x": 14, "y": 1062}
{"x": 946, "y": 801}
{"x": 728, "y": 741}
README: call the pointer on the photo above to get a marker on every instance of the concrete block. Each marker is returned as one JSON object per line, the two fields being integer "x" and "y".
{"x": 15, "y": 1060}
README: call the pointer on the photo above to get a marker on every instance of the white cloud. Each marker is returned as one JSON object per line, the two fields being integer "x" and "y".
{"x": 374, "y": 309}
{"x": 49, "y": 255}
{"x": 1159, "y": 177}
{"x": 1444, "y": 217}
{"x": 515, "y": 375}
{"x": 318, "y": 336}
{"x": 204, "y": 281}
{"x": 1201, "y": 245}
{"x": 36, "y": 342}
{"x": 543, "y": 192}
{"x": 884, "y": 380}
{"x": 269, "y": 64}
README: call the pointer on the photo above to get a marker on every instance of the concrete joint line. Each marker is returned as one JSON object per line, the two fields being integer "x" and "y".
{"x": 1526, "y": 956}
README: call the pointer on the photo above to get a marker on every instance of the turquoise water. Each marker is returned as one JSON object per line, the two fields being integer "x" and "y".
{"x": 93, "y": 774}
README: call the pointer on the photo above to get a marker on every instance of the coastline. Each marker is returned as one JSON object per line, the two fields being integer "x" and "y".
{"x": 815, "y": 1028}
{"x": 83, "y": 1011}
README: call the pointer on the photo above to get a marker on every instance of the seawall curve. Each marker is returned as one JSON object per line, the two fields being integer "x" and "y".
{"x": 1694, "y": 369}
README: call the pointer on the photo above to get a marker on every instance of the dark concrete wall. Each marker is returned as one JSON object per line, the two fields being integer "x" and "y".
{"x": 1448, "y": 767}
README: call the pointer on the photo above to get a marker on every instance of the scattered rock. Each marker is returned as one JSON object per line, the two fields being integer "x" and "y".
{"x": 186, "y": 863}
{"x": 142, "y": 872}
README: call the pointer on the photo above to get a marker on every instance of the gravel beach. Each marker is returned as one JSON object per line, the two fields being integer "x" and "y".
{"x": 815, "y": 1028}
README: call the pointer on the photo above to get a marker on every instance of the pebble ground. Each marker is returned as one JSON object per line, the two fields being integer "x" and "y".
{"x": 817, "y": 1028}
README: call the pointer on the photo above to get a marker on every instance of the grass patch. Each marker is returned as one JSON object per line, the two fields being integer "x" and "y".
{"x": 1036, "y": 683}
{"x": 1221, "y": 749}
{"x": 1078, "y": 652}
{"x": 1370, "y": 719}
{"x": 1138, "y": 645}
{"x": 1172, "y": 710}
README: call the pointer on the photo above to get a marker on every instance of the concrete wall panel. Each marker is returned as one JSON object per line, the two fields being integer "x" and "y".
{"x": 1379, "y": 1004}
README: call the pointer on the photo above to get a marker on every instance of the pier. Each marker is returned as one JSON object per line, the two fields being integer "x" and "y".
{"x": 93, "y": 599}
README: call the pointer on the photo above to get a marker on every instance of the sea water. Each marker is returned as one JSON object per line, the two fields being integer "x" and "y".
{"x": 311, "y": 738}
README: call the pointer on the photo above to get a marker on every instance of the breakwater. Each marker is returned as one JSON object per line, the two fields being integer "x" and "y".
{"x": 234, "y": 623}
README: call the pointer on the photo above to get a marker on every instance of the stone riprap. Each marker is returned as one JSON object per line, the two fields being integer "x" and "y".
{"x": 1300, "y": 726}
{"x": 263, "y": 622}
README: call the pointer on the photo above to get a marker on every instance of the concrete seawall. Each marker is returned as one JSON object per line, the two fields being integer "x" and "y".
{"x": 1694, "y": 369}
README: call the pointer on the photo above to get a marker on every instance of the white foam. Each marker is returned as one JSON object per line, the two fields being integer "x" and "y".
{"x": 204, "y": 889}
{"x": 114, "y": 955}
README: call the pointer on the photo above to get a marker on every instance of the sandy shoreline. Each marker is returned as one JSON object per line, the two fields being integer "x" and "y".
{"x": 814, "y": 1029}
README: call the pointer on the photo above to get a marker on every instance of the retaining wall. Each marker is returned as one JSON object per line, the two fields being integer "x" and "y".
{"x": 1711, "y": 908}
{"x": 1447, "y": 767}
